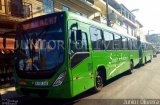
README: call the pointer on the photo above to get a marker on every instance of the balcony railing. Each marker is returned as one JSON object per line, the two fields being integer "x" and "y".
{"x": 17, "y": 11}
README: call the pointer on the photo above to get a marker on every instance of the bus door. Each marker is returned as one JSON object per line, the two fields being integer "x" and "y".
{"x": 80, "y": 57}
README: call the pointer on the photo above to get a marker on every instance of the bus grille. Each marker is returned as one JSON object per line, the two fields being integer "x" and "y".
{"x": 40, "y": 92}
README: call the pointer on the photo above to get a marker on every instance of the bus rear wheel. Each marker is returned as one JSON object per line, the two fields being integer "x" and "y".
{"x": 150, "y": 59}
{"x": 145, "y": 60}
{"x": 131, "y": 67}
{"x": 99, "y": 82}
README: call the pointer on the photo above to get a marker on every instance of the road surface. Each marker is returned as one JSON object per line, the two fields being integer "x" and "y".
{"x": 143, "y": 83}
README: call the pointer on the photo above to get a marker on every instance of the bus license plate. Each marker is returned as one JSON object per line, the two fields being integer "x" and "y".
{"x": 41, "y": 83}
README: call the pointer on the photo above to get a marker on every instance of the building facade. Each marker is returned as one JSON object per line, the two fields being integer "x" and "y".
{"x": 14, "y": 11}
{"x": 139, "y": 31}
{"x": 121, "y": 18}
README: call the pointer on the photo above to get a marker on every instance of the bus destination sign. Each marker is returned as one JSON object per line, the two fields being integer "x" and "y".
{"x": 39, "y": 23}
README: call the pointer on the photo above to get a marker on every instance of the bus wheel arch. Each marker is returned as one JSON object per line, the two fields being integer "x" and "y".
{"x": 102, "y": 71}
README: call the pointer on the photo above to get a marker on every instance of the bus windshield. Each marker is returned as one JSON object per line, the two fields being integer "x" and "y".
{"x": 40, "y": 49}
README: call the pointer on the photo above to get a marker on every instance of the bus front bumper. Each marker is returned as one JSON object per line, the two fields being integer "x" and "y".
{"x": 61, "y": 92}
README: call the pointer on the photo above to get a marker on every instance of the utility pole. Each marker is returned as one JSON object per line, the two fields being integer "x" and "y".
{"x": 107, "y": 13}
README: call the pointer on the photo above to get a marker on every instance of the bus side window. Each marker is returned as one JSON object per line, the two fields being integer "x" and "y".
{"x": 125, "y": 43}
{"x": 134, "y": 45}
{"x": 77, "y": 45}
{"x": 109, "y": 40}
{"x": 130, "y": 44}
{"x": 117, "y": 42}
{"x": 96, "y": 38}
{"x": 85, "y": 47}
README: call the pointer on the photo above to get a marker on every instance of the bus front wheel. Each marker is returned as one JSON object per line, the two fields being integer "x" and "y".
{"x": 98, "y": 82}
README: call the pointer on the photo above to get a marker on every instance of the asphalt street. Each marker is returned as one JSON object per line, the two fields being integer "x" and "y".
{"x": 143, "y": 83}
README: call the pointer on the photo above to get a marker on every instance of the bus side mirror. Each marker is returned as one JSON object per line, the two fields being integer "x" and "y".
{"x": 72, "y": 36}
{"x": 76, "y": 35}
{"x": 79, "y": 35}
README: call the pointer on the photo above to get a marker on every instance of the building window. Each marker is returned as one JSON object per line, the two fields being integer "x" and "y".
{"x": 91, "y": 1}
{"x": 65, "y": 8}
{"x": 130, "y": 17}
{"x": 133, "y": 19}
{"x": 84, "y": 15}
{"x": 78, "y": 13}
{"x": 0, "y": 4}
{"x": 81, "y": 14}
{"x": 133, "y": 32}
{"x": 26, "y": 10}
{"x": 16, "y": 8}
{"x": 9, "y": 6}
{"x": 130, "y": 30}
{"x": 48, "y": 6}
{"x": 123, "y": 12}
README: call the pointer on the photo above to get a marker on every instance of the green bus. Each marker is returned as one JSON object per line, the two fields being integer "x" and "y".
{"x": 146, "y": 52}
{"x": 61, "y": 55}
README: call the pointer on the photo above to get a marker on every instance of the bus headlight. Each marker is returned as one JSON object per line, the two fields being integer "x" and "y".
{"x": 59, "y": 80}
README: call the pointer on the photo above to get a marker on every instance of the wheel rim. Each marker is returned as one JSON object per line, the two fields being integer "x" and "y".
{"x": 99, "y": 82}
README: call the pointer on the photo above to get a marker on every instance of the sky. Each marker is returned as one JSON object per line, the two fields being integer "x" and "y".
{"x": 148, "y": 14}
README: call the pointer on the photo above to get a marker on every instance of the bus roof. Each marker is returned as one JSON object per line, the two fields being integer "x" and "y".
{"x": 73, "y": 16}
{"x": 41, "y": 17}
{"x": 96, "y": 24}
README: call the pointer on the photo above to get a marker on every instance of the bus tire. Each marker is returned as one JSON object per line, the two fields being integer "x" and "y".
{"x": 150, "y": 59}
{"x": 131, "y": 67}
{"x": 145, "y": 60}
{"x": 98, "y": 82}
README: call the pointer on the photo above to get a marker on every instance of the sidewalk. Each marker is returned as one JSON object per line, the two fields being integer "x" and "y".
{"x": 8, "y": 93}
